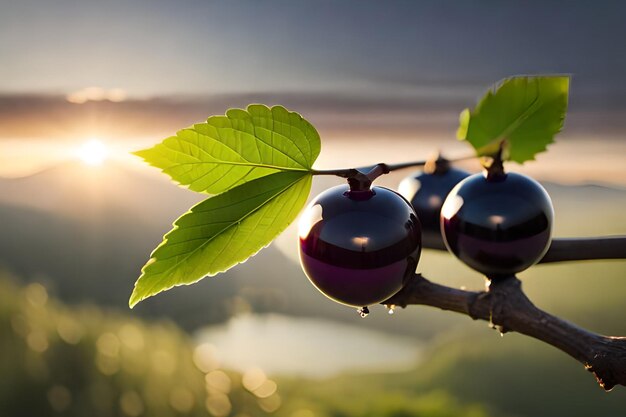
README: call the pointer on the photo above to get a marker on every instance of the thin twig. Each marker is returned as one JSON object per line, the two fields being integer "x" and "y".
{"x": 351, "y": 172}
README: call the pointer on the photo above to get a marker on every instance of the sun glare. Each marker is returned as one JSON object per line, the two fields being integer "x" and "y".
{"x": 93, "y": 152}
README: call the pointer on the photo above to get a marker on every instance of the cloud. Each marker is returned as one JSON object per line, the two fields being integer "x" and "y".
{"x": 50, "y": 116}
{"x": 38, "y": 116}
{"x": 84, "y": 95}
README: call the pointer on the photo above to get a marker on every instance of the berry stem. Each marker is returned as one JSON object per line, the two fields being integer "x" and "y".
{"x": 437, "y": 165}
{"x": 495, "y": 170}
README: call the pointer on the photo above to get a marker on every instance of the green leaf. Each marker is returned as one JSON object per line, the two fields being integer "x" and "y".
{"x": 525, "y": 112}
{"x": 222, "y": 231}
{"x": 230, "y": 150}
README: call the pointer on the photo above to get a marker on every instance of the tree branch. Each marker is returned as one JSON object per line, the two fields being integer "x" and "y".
{"x": 507, "y": 308}
{"x": 576, "y": 249}
{"x": 571, "y": 249}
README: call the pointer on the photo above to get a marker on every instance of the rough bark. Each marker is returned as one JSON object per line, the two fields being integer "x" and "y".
{"x": 507, "y": 308}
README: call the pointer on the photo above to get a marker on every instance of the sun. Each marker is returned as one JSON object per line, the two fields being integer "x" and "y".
{"x": 93, "y": 152}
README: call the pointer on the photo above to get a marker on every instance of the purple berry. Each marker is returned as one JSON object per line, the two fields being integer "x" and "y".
{"x": 426, "y": 191}
{"x": 359, "y": 247}
{"x": 498, "y": 226}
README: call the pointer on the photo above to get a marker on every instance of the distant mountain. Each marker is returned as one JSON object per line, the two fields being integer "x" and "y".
{"x": 86, "y": 232}
{"x": 89, "y": 193}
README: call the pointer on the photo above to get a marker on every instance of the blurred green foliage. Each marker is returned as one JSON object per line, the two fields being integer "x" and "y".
{"x": 85, "y": 361}
{"x": 369, "y": 396}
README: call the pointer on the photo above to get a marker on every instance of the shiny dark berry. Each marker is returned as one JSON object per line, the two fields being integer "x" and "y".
{"x": 498, "y": 226}
{"x": 359, "y": 247}
{"x": 426, "y": 191}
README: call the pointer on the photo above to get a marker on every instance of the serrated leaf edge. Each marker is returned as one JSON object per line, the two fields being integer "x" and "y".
{"x": 314, "y": 152}
{"x": 134, "y": 299}
{"x": 466, "y": 114}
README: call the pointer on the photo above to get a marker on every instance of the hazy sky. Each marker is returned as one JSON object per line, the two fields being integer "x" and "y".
{"x": 159, "y": 47}
{"x": 357, "y": 68}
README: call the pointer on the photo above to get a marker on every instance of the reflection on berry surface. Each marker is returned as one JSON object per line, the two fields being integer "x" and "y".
{"x": 426, "y": 191}
{"x": 358, "y": 247}
{"x": 498, "y": 226}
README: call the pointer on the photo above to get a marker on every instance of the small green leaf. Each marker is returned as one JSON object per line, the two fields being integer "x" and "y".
{"x": 230, "y": 150}
{"x": 222, "y": 231}
{"x": 526, "y": 112}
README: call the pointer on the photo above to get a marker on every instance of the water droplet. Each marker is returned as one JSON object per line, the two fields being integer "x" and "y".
{"x": 391, "y": 308}
{"x": 363, "y": 311}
